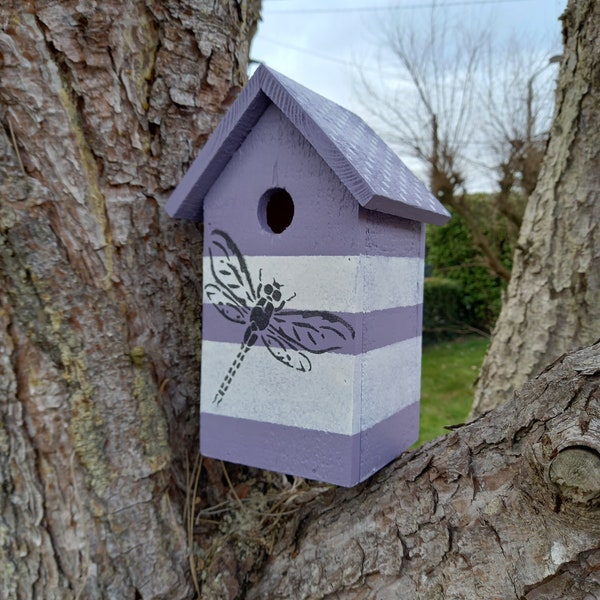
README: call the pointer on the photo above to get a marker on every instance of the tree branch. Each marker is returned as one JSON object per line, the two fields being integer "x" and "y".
{"x": 458, "y": 508}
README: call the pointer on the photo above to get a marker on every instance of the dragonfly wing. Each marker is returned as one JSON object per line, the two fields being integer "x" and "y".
{"x": 312, "y": 330}
{"x": 229, "y": 268}
{"x": 227, "y": 304}
{"x": 286, "y": 353}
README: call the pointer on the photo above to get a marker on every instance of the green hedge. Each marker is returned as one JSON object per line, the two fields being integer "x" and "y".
{"x": 444, "y": 311}
{"x": 452, "y": 255}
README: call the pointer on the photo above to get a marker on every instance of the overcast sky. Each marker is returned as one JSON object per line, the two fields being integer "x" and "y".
{"x": 319, "y": 43}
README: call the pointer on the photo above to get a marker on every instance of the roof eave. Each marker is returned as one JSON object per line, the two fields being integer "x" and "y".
{"x": 263, "y": 89}
{"x": 406, "y": 211}
{"x": 186, "y": 201}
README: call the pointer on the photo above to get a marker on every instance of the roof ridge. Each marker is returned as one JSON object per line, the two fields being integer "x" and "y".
{"x": 365, "y": 164}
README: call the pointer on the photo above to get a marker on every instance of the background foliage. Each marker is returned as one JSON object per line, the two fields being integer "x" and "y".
{"x": 461, "y": 293}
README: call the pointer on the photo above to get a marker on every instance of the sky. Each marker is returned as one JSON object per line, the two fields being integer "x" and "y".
{"x": 323, "y": 44}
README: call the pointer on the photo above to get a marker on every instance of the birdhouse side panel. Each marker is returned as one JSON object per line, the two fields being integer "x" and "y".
{"x": 392, "y": 273}
{"x": 391, "y": 362}
{"x": 389, "y": 235}
{"x": 391, "y": 379}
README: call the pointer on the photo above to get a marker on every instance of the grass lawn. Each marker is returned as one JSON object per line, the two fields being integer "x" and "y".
{"x": 448, "y": 373}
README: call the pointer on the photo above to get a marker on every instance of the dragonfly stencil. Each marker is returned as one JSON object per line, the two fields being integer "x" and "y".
{"x": 289, "y": 335}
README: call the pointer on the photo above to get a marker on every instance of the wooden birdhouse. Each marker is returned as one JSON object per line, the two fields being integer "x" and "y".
{"x": 314, "y": 236}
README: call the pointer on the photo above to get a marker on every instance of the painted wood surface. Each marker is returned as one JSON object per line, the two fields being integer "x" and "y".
{"x": 369, "y": 169}
{"x": 326, "y": 456}
{"x": 333, "y": 281}
{"x": 341, "y": 393}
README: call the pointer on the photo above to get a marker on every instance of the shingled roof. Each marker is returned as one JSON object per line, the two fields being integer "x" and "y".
{"x": 363, "y": 162}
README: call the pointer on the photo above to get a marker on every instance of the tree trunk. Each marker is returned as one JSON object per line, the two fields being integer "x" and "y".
{"x": 552, "y": 304}
{"x": 103, "y": 105}
{"x": 506, "y": 507}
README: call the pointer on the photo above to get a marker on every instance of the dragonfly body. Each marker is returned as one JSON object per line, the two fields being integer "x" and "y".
{"x": 260, "y": 317}
{"x": 287, "y": 334}
{"x": 261, "y": 313}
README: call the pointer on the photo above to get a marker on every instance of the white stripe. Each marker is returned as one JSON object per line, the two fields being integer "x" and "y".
{"x": 263, "y": 389}
{"x": 339, "y": 283}
{"x": 391, "y": 380}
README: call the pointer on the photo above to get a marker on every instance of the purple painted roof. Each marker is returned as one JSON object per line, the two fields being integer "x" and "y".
{"x": 370, "y": 170}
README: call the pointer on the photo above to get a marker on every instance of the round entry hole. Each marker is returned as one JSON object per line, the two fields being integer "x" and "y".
{"x": 276, "y": 210}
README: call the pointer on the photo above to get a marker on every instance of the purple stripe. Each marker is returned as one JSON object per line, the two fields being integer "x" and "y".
{"x": 387, "y": 235}
{"x": 340, "y": 459}
{"x": 383, "y": 442}
{"x": 372, "y": 233}
{"x": 379, "y": 328}
{"x": 384, "y": 327}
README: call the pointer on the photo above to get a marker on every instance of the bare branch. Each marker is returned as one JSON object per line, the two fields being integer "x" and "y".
{"x": 465, "y": 103}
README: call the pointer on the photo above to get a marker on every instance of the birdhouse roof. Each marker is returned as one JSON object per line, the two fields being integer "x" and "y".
{"x": 363, "y": 162}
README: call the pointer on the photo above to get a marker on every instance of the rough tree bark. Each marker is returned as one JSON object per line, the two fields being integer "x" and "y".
{"x": 553, "y": 300}
{"x": 103, "y": 105}
{"x": 505, "y": 507}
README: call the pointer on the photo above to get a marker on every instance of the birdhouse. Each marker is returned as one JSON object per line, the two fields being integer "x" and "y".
{"x": 314, "y": 237}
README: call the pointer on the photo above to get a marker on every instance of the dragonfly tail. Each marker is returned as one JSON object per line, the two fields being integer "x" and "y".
{"x": 231, "y": 372}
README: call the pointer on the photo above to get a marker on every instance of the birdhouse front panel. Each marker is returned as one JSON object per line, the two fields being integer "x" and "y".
{"x": 311, "y": 322}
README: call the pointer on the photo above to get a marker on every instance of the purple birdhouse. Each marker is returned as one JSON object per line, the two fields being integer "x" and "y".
{"x": 314, "y": 236}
